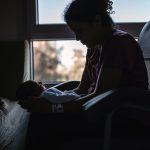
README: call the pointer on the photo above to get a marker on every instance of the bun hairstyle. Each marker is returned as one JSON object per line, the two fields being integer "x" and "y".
{"x": 86, "y": 10}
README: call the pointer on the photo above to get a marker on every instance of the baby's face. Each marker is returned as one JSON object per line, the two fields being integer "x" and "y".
{"x": 38, "y": 89}
{"x": 41, "y": 85}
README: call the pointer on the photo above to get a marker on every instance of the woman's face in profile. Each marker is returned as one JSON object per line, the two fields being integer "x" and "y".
{"x": 87, "y": 33}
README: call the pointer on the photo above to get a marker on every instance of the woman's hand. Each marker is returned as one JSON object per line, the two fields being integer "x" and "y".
{"x": 36, "y": 104}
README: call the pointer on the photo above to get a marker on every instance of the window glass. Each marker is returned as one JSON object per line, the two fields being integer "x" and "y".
{"x": 58, "y": 60}
{"x": 64, "y": 60}
{"x": 51, "y": 11}
{"x": 131, "y": 10}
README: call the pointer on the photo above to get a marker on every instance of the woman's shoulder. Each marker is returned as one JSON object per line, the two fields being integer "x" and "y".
{"x": 120, "y": 38}
{"x": 120, "y": 35}
{"x": 121, "y": 41}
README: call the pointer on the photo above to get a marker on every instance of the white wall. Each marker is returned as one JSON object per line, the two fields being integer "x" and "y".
{"x": 11, "y": 20}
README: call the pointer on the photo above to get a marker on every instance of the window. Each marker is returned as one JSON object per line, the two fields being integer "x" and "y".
{"x": 58, "y": 60}
{"x": 51, "y": 38}
{"x": 51, "y": 14}
{"x": 47, "y": 24}
{"x": 125, "y": 11}
{"x": 131, "y": 11}
{"x": 45, "y": 17}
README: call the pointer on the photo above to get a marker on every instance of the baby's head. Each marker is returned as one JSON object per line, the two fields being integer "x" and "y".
{"x": 29, "y": 88}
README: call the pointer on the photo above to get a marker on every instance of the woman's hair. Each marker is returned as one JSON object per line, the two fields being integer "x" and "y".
{"x": 86, "y": 10}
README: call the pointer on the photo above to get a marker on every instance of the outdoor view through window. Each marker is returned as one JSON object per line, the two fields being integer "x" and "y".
{"x": 64, "y": 60}
{"x": 58, "y": 60}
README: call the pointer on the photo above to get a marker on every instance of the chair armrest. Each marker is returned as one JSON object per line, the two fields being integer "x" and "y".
{"x": 129, "y": 101}
{"x": 113, "y": 99}
{"x": 132, "y": 111}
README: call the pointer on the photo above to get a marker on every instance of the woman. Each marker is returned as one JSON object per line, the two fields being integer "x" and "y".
{"x": 114, "y": 59}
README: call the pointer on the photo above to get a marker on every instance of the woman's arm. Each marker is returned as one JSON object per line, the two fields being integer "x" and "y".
{"x": 109, "y": 75}
{"x": 84, "y": 83}
{"x": 108, "y": 79}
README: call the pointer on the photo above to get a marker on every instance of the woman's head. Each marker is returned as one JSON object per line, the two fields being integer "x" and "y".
{"x": 89, "y": 19}
{"x": 87, "y": 10}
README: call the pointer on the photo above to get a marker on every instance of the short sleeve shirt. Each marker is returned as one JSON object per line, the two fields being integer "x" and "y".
{"x": 120, "y": 51}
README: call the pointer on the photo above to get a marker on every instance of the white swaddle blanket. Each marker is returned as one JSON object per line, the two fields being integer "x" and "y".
{"x": 58, "y": 97}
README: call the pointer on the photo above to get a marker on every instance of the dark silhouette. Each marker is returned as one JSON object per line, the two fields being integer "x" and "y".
{"x": 114, "y": 59}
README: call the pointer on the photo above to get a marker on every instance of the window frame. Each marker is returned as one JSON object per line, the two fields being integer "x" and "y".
{"x": 62, "y": 31}
{"x": 36, "y": 31}
{"x": 44, "y": 31}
